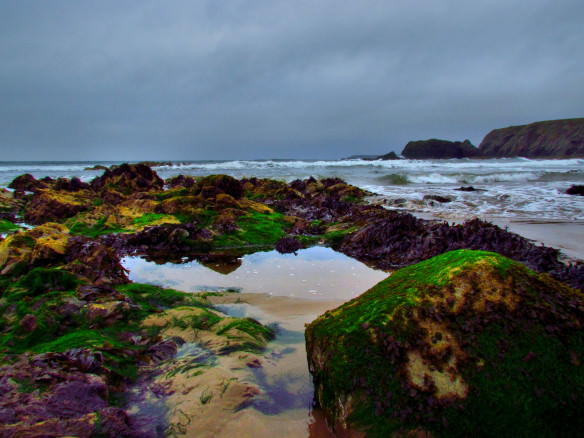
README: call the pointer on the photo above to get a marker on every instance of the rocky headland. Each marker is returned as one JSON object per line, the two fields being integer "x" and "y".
{"x": 439, "y": 149}
{"x": 80, "y": 341}
{"x": 548, "y": 139}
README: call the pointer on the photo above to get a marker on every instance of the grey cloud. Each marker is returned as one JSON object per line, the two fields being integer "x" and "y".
{"x": 257, "y": 79}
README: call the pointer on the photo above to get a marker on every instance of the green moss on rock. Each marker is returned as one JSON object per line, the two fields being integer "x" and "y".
{"x": 467, "y": 343}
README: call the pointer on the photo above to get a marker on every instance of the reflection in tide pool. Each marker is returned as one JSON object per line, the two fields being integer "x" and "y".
{"x": 316, "y": 273}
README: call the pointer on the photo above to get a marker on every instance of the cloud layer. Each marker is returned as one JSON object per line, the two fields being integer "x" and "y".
{"x": 268, "y": 79}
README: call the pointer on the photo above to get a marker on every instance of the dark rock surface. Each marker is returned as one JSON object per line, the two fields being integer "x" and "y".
{"x": 548, "y": 139}
{"x": 389, "y": 156}
{"x": 26, "y": 182}
{"x": 575, "y": 190}
{"x": 288, "y": 245}
{"x": 128, "y": 179}
{"x": 440, "y": 149}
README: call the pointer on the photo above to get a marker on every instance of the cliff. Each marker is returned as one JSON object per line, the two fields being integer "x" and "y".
{"x": 434, "y": 148}
{"x": 549, "y": 139}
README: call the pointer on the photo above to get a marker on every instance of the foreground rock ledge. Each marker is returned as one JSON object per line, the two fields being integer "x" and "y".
{"x": 468, "y": 343}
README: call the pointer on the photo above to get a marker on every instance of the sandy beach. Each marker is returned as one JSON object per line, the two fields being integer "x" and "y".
{"x": 568, "y": 237}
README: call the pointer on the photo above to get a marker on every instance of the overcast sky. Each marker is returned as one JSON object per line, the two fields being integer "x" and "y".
{"x": 187, "y": 79}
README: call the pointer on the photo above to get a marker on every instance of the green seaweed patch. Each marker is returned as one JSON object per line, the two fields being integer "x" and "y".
{"x": 149, "y": 218}
{"x": 336, "y": 238}
{"x": 255, "y": 229}
{"x": 41, "y": 280}
{"x": 99, "y": 228}
{"x": 258, "y": 332}
{"x": 202, "y": 321}
{"x": 8, "y": 227}
{"x": 172, "y": 193}
{"x": 154, "y": 298}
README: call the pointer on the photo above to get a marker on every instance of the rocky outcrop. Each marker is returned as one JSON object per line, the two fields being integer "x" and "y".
{"x": 128, "y": 179}
{"x": 440, "y": 149}
{"x": 468, "y": 343}
{"x": 26, "y": 182}
{"x": 549, "y": 139}
{"x": 50, "y": 205}
{"x": 575, "y": 190}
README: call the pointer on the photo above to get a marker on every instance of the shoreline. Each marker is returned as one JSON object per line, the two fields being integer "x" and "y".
{"x": 565, "y": 236}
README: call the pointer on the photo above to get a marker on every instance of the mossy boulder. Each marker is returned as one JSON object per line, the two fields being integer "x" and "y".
{"x": 468, "y": 343}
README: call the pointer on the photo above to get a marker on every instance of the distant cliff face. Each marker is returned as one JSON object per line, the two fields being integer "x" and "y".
{"x": 550, "y": 139}
{"x": 435, "y": 148}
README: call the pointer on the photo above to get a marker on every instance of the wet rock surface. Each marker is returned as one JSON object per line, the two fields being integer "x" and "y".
{"x": 575, "y": 190}
{"x": 446, "y": 348}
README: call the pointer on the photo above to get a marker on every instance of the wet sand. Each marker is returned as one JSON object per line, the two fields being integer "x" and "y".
{"x": 293, "y": 291}
{"x": 568, "y": 237}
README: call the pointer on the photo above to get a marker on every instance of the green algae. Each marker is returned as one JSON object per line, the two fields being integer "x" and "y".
{"x": 99, "y": 228}
{"x": 255, "y": 229}
{"x": 40, "y": 280}
{"x": 152, "y": 298}
{"x": 259, "y": 334}
{"x": 7, "y": 226}
{"x": 515, "y": 370}
{"x": 149, "y": 218}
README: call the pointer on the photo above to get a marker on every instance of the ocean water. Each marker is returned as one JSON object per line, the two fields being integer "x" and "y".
{"x": 512, "y": 188}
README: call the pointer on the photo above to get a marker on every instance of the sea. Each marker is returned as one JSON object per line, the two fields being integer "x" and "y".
{"x": 509, "y": 188}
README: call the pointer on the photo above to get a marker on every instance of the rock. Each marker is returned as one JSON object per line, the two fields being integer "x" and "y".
{"x": 42, "y": 245}
{"x": 211, "y": 186}
{"x": 442, "y": 149}
{"x": 448, "y": 347}
{"x": 180, "y": 181}
{"x": 437, "y": 198}
{"x": 466, "y": 189}
{"x": 287, "y": 245}
{"x": 28, "y": 323}
{"x": 549, "y": 139}
{"x": 575, "y": 190}
{"x": 27, "y": 183}
{"x": 389, "y": 156}
{"x": 68, "y": 399}
{"x": 128, "y": 179}
{"x": 52, "y": 206}
{"x": 72, "y": 185}
{"x": 96, "y": 167}
{"x": 95, "y": 261}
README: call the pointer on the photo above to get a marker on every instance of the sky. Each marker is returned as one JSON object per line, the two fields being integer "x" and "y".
{"x": 314, "y": 79}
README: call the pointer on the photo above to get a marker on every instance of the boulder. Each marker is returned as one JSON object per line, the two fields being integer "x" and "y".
{"x": 71, "y": 185}
{"x": 389, "y": 156}
{"x": 51, "y": 206}
{"x": 39, "y": 246}
{"x": 128, "y": 179}
{"x": 211, "y": 186}
{"x": 27, "y": 183}
{"x": 575, "y": 190}
{"x": 442, "y": 149}
{"x": 548, "y": 139}
{"x": 468, "y": 343}
{"x": 287, "y": 245}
